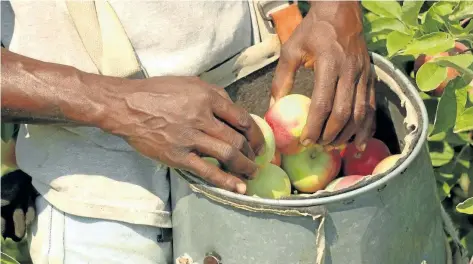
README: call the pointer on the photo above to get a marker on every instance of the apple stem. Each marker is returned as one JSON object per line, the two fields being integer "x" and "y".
{"x": 358, "y": 155}
{"x": 313, "y": 155}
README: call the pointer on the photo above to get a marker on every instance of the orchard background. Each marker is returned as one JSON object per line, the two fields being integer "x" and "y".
{"x": 430, "y": 41}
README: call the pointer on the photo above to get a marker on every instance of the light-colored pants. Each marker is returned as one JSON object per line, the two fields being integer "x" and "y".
{"x": 57, "y": 237}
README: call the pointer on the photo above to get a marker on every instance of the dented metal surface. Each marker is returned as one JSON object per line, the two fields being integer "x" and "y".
{"x": 389, "y": 218}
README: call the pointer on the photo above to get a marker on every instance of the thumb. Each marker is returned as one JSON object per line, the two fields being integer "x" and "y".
{"x": 283, "y": 79}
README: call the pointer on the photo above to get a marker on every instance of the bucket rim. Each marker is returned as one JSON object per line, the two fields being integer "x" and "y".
{"x": 403, "y": 80}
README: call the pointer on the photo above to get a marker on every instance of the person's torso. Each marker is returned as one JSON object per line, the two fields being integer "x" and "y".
{"x": 86, "y": 165}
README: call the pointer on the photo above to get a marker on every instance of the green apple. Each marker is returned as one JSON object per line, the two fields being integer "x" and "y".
{"x": 271, "y": 182}
{"x": 311, "y": 169}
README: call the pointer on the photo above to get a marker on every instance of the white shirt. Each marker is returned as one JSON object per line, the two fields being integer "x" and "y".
{"x": 84, "y": 171}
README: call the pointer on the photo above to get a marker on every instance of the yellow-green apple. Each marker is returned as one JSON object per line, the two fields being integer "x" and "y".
{"x": 343, "y": 182}
{"x": 270, "y": 144}
{"x": 277, "y": 158}
{"x": 451, "y": 72}
{"x": 214, "y": 161}
{"x": 287, "y": 117}
{"x": 311, "y": 169}
{"x": 363, "y": 162}
{"x": 270, "y": 182}
{"x": 386, "y": 164}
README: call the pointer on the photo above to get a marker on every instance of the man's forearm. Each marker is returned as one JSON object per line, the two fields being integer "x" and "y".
{"x": 36, "y": 92}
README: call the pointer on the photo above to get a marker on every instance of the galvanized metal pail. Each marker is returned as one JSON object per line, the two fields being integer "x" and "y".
{"x": 391, "y": 218}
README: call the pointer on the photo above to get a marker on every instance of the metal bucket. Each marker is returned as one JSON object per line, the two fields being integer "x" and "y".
{"x": 391, "y": 218}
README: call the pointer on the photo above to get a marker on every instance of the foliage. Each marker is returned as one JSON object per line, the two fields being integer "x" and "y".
{"x": 405, "y": 33}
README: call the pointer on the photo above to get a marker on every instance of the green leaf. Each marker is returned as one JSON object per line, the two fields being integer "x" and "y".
{"x": 462, "y": 11}
{"x": 441, "y": 153}
{"x": 385, "y": 25}
{"x": 430, "y": 44}
{"x": 435, "y": 19}
{"x": 464, "y": 121}
{"x": 410, "y": 11}
{"x": 397, "y": 41}
{"x": 443, "y": 190}
{"x": 389, "y": 8}
{"x": 462, "y": 63}
{"x": 446, "y": 109}
{"x": 429, "y": 76}
{"x": 466, "y": 206}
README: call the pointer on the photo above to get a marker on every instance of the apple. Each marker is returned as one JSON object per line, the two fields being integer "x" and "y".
{"x": 214, "y": 161}
{"x": 337, "y": 160}
{"x": 277, "y": 158}
{"x": 386, "y": 164}
{"x": 311, "y": 169}
{"x": 343, "y": 182}
{"x": 271, "y": 182}
{"x": 363, "y": 163}
{"x": 270, "y": 144}
{"x": 287, "y": 117}
{"x": 451, "y": 72}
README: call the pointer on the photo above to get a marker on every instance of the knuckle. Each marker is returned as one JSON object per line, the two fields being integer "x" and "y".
{"x": 229, "y": 153}
{"x": 323, "y": 107}
{"x": 342, "y": 114}
{"x": 359, "y": 114}
{"x": 244, "y": 119}
{"x": 239, "y": 142}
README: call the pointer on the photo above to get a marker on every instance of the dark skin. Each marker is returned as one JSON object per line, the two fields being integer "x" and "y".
{"x": 330, "y": 40}
{"x": 177, "y": 120}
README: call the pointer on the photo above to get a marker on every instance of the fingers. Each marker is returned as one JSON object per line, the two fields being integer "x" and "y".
{"x": 369, "y": 125}
{"x": 238, "y": 118}
{"x": 285, "y": 71}
{"x": 322, "y": 99}
{"x": 226, "y": 134}
{"x": 212, "y": 174}
{"x": 231, "y": 158}
{"x": 343, "y": 104}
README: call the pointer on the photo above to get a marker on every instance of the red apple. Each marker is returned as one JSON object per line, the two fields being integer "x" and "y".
{"x": 311, "y": 169}
{"x": 451, "y": 72}
{"x": 287, "y": 117}
{"x": 363, "y": 163}
{"x": 343, "y": 182}
{"x": 337, "y": 160}
{"x": 277, "y": 158}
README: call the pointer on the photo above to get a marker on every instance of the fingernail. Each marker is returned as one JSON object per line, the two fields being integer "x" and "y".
{"x": 362, "y": 147}
{"x": 307, "y": 142}
{"x": 241, "y": 188}
{"x": 261, "y": 150}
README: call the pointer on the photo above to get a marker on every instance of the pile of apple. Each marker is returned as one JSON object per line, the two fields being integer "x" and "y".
{"x": 287, "y": 164}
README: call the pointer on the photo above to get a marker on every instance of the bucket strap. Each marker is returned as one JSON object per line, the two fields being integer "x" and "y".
{"x": 104, "y": 38}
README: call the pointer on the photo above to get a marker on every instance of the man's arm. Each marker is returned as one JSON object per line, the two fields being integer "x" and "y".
{"x": 46, "y": 93}
{"x": 175, "y": 120}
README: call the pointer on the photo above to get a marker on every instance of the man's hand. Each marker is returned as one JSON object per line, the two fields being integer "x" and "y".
{"x": 175, "y": 120}
{"x": 18, "y": 204}
{"x": 330, "y": 40}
